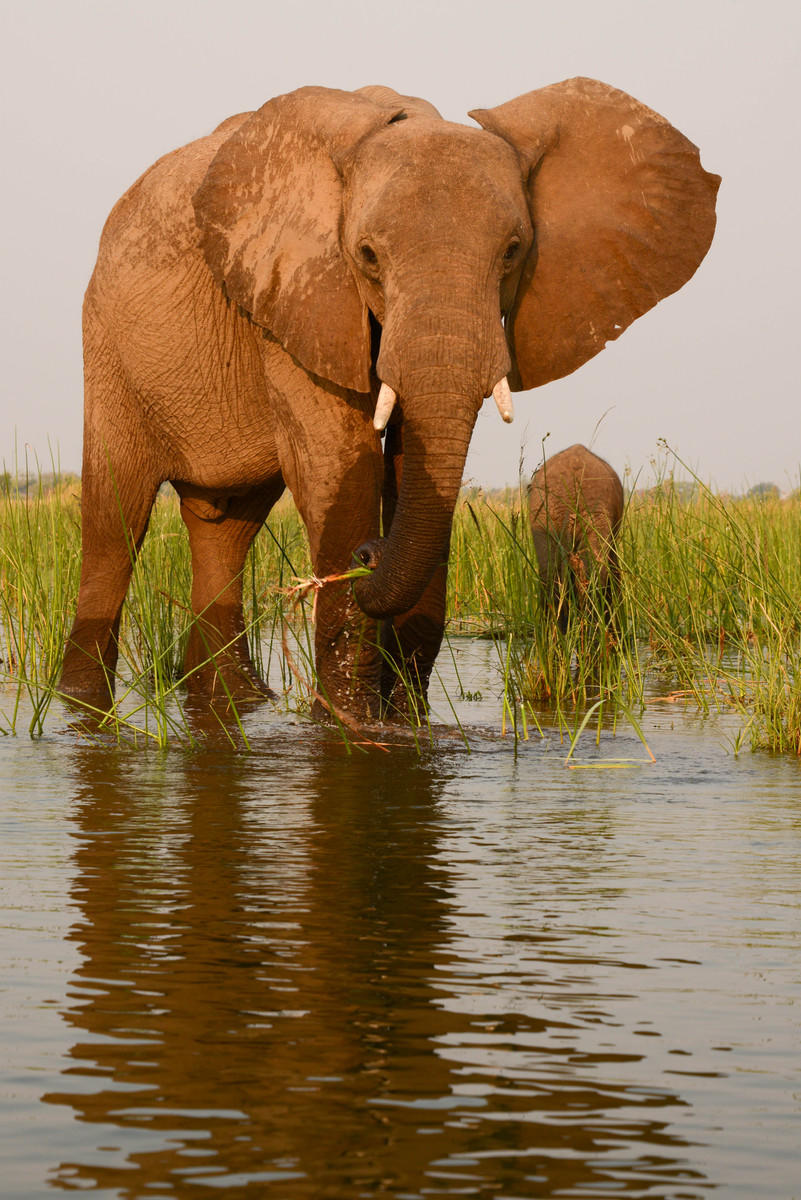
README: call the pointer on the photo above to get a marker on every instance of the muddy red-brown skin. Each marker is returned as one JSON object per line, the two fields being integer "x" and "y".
{"x": 576, "y": 506}
{"x": 231, "y": 333}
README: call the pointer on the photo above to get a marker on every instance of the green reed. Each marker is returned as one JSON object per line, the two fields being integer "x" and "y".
{"x": 715, "y": 586}
{"x": 39, "y": 567}
{"x": 39, "y": 574}
{"x": 549, "y": 673}
{"x": 707, "y": 612}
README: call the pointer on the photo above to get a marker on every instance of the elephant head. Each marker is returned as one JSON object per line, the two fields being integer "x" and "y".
{"x": 386, "y": 247}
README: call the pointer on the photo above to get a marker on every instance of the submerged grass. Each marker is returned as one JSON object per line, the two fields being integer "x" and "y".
{"x": 707, "y": 613}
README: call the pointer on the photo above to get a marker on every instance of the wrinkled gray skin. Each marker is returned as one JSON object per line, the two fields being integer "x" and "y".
{"x": 576, "y": 505}
{"x": 255, "y": 288}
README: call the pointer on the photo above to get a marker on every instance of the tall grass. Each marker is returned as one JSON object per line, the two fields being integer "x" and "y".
{"x": 39, "y": 574}
{"x": 715, "y": 590}
{"x": 550, "y": 674}
{"x": 39, "y": 566}
{"x": 707, "y": 611}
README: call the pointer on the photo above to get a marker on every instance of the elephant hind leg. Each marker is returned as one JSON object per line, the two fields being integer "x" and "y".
{"x": 113, "y": 527}
{"x": 119, "y": 481}
{"x": 221, "y": 530}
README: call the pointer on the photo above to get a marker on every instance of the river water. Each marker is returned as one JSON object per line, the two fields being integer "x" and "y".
{"x": 302, "y": 973}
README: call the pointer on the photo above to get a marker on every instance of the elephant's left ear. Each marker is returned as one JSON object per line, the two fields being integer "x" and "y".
{"x": 269, "y": 212}
{"x": 623, "y": 213}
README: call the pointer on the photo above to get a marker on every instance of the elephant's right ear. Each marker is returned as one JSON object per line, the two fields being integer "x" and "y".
{"x": 623, "y": 213}
{"x": 269, "y": 212}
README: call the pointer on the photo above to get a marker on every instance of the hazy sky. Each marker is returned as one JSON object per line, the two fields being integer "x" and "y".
{"x": 95, "y": 91}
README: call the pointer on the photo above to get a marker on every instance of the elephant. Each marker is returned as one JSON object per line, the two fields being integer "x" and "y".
{"x": 335, "y": 268}
{"x": 576, "y": 503}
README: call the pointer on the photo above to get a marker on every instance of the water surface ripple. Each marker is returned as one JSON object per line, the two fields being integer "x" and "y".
{"x": 301, "y": 974}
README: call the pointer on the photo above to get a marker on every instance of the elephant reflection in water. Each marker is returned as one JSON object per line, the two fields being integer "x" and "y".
{"x": 267, "y": 992}
{"x": 254, "y": 948}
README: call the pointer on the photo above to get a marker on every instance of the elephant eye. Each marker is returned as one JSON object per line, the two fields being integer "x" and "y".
{"x": 368, "y": 254}
{"x": 510, "y": 253}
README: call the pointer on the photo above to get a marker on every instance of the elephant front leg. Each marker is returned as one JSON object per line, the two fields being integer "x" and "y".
{"x": 119, "y": 482}
{"x": 411, "y": 643}
{"x": 347, "y": 657}
{"x": 340, "y": 514}
{"x": 331, "y": 460}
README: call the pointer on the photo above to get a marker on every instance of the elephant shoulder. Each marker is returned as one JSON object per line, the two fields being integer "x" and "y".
{"x": 154, "y": 221}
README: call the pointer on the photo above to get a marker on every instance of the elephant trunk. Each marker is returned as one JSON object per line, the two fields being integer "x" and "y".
{"x": 434, "y": 453}
{"x": 440, "y": 355}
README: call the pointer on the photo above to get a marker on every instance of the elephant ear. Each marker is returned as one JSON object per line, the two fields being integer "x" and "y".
{"x": 622, "y": 210}
{"x": 269, "y": 212}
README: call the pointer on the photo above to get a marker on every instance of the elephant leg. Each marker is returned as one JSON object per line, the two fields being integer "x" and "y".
{"x": 411, "y": 640}
{"x": 411, "y": 644}
{"x": 556, "y": 581}
{"x": 113, "y": 526}
{"x": 331, "y": 460}
{"x": 346, "y": 652}
{"x": 221, "y": 530}
{"x": 119, "y": 481}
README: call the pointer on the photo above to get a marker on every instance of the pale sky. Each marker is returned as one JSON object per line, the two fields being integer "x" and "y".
{"x": 95, "y": 90}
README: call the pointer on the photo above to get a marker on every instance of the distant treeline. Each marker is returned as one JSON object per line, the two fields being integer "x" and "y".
{"x": 36, "y": 484}
{"x": 682, "y": 490}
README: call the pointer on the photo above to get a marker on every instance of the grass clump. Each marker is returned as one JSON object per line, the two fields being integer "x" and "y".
{"x": 39, "y": 567}
{"x": 40, "y": 556}
{"x": 715, "y": 585}
{"x": 549, "y": 672}
{"x": 707, "y": 610}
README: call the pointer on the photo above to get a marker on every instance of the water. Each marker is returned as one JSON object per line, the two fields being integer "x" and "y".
{"x": 301, "y": 974}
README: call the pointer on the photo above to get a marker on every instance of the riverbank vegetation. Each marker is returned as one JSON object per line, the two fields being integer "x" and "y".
{"x": 708, "y": 612}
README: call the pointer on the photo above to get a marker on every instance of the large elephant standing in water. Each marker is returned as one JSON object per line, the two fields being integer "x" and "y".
{"x": 267, "y": 299}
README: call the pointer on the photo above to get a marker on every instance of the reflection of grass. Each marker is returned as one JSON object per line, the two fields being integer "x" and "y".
{"x": 708, "y": 612}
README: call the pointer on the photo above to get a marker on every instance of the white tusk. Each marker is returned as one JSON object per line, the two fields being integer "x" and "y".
{"x": 384, "y": 406}
{"x": 502, "y": 396}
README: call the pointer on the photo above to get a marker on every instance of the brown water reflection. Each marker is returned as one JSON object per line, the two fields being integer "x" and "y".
{"x": 276, "y": 995}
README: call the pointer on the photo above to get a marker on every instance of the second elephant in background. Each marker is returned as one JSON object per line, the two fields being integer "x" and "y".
{"x": 576, "y": 507}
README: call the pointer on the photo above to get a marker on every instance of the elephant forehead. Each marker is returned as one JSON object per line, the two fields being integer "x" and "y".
{"x": 436, "y": 157}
